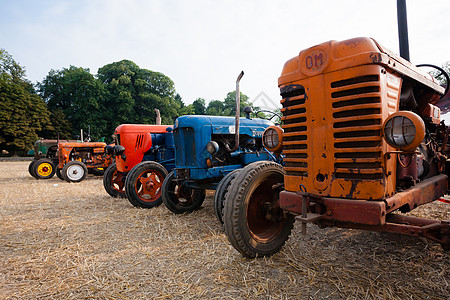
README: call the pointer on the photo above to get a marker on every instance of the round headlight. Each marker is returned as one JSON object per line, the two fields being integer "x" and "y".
{"x": 404, "y": 130}
{"x": 272, "y": 138}
{"x": 212, "y": 147}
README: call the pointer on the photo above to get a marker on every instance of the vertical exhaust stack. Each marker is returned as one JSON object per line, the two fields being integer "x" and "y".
{"x": 238, "y": 115}
{"x": 402, "y": 29}
{"x": 158, "y": 117}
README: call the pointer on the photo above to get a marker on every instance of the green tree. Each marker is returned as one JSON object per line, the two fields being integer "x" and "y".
{"x": 439, "y": 75}
{"x": 199, "y": 106}
{"x": 215, "y": 108}
{"x": 133, "y": 94}
{"x": 228, "y": 106}
{"x": 23, "y": 114}
{"x": 77, "y": 94}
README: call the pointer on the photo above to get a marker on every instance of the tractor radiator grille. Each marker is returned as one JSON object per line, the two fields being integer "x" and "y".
{"x": 295, "y": 144}
{"x": 139, "y": 142}
{"x": 357, "y": 119}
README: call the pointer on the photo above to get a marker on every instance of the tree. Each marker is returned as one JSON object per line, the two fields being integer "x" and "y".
{"x": 23, "y": 114}
{"x": 133, "y": 94}
{"x": 75, "y": 93}
{"x": 215, "y": 108}
{"x": 228, "y": 106}
{"x": 440, "y": 77}
{"x": 199, "y": 106}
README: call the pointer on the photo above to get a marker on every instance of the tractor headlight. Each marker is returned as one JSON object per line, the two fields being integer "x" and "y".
{"x": 272, "y": 138}
{"x": 212, "y": 147}
{"x": 404, "y": 130}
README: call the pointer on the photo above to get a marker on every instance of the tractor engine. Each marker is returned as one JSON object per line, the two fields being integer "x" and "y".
{"x": 202, "y": 142}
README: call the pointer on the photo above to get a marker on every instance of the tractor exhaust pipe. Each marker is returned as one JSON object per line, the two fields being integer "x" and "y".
{"x": 238, "y": 115}
{"x": 402, "y": 29}
{"x": 158, "y": 117}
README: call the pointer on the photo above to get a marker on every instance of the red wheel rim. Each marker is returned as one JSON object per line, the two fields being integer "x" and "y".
{"x": 117, "y": 183}
{"x": 264, "y": 216}
{"x": 148, "y": 185}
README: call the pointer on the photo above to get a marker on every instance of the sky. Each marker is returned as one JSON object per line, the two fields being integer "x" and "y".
{"x": 203, "y": 45}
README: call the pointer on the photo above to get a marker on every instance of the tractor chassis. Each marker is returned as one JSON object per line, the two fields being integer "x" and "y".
{"x": 373, "y": 215}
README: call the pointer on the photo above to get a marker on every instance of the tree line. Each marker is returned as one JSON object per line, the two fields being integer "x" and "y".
{"x": 72, "y": 98}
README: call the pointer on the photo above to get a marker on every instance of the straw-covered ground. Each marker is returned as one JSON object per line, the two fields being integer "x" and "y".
{"x": 64, "y": 240}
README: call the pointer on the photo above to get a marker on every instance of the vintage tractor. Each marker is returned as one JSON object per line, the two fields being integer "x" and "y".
{"x": 209, "y": 152}
{"x": 362, "y": 140}
{"x": 77, "y": 159}
{"x": 43, "y": 166}
{"x": 144, "y": 155}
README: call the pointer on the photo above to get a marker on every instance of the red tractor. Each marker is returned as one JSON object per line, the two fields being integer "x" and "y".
{"x": 144, "y": 154}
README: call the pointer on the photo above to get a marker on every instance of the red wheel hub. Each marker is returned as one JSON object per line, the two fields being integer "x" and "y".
{"x": 150, "y": 185}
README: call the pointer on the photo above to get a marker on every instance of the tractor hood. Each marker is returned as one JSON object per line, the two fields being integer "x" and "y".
{"x": 224, "y": 125}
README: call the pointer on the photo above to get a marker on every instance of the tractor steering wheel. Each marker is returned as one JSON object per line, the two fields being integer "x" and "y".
{"x": 273, "y": 115}
{"x": 447, "y": 78}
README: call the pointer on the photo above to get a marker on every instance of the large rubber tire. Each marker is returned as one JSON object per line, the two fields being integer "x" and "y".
{"x": 59, "y": 174}
{"x": 31, "y": 169}
{"x": 96, "y": 171}
{"x": 219, "y": 195}
{"x": 143, "y": 184}
{"x": 74, "y": 171}
{"x": 114, "y": 181}
{"x": 179, "y": 198}
{"x": 44, "y": 168}
{"x": 253, "y": 221}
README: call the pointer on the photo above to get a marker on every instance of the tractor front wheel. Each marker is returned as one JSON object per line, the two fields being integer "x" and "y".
{"x": 219, "y": 195}
{"x": 180, "y": 198}
{"x": 74, "y": 171}
{"x": 114, "y": 181}
{"x": 44, "y": 168}
{"x": 143, "y": 184}
{"x": 254, "y": 223}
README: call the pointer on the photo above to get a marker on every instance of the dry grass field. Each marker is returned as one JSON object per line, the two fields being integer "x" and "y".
{"x": 64, "y": 240}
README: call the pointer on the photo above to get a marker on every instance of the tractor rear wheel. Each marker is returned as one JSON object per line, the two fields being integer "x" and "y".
{"x": 31, "y": 169}
{"x": 114, "y": 181}
{"x": 58, "y": 173}
{"x": 180, "y": 198}
{"x": 44, "y": 168}
{"x": 254, "y": 223}
{"x": 74, "y": 171}
{"x": 143, "y": 184}
{"x": 219, "y": 195}
{"x": 96, "y": 171}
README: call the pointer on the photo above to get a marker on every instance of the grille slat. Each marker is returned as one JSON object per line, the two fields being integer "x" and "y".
{"x": 357, "y": 123}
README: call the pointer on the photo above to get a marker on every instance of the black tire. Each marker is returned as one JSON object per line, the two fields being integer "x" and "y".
{"x": 44, "y": 168}
{"x": 74, "y": 171}
{"x": 58, "y": 174}
{"x": 97, "y": 171}
{"x": 253, "y": 221}
{"x": 114, "y": 181}
{"x": 143, "y": 184}
{"x": 219, "y": 195}
{"x": 179, "y": 198}
{"x": 31, "y": 169}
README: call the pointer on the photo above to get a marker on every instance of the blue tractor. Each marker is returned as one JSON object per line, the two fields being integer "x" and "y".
{"x": 209, "y": 151}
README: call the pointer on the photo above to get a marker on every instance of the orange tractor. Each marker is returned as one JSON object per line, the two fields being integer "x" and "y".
{"x": 362, "y": 142}
{"x": 69, "y": 160}
{"x": 77, "y": 159}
